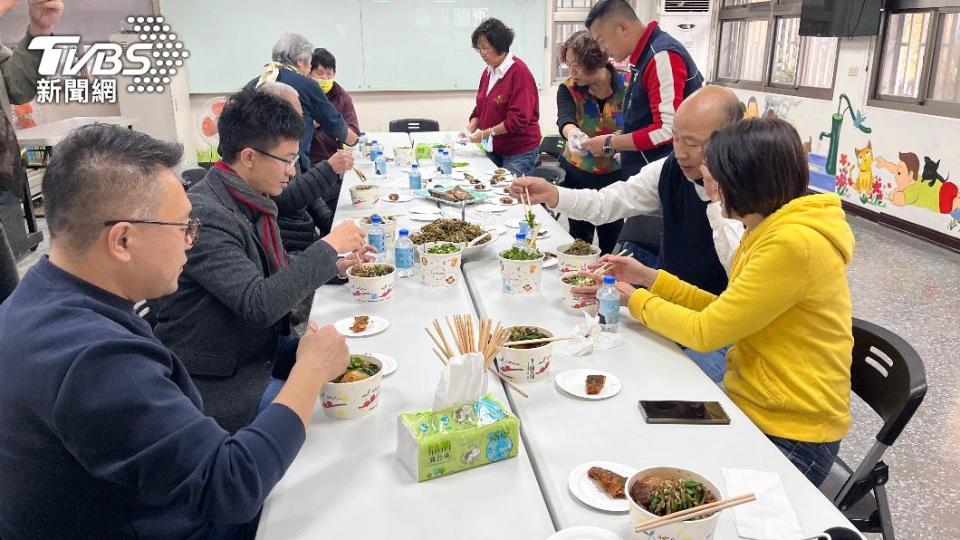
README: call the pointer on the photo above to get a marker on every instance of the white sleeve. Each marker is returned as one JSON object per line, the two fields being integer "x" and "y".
{"x": 637, "y": 195}
{"x": 726, "y": 235}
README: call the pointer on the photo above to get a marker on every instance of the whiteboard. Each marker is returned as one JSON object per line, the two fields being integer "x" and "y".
{"x": 380, "y": 45}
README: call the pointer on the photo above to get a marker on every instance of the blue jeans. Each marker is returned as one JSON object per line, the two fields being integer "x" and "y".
{"x": 642, "y": 254}
{"x": 713, "y": 363}
{"x": 519, "y": 164}
{"x": 283, "y": 363}
{"x": 812, "y": 459}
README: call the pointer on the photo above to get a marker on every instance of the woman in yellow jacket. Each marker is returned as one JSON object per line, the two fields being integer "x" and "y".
{"x": 787, "y": 307}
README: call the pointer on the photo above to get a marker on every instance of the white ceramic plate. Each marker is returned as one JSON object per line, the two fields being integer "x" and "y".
{"x": 389, "y": 364}
{"x": 584, "y": 533}
{"x": 551, "y": 260}
{"x": 491, "y": 208}
{"x": 402, "y": 197}
{"x": 496, "y": 200}
{"x": 586, "y": 491}
{"x": 574, "y": 382}
{"x": 377, "y": 325}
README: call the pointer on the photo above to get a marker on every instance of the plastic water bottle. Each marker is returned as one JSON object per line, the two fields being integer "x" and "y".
{"x": 446, "y": 163}
{"x": 375, "y": 150}
{"x": 381, "y": 163}
{"x": 521, "y": 242}
{"x": 376, "y": 237}
{"x": 524, "y": 227}
{"x": 608, "y": 298}
{"x": 363, "y": 144}
{"x": 416, "y": 181}
{"x": 403, "y": 254}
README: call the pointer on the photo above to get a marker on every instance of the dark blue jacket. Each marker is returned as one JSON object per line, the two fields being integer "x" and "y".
{"x": 101, "y": 434}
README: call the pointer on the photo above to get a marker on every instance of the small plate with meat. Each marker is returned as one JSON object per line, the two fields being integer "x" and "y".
{"x": 601, "y": 485}
{"x": 588, "y": 383}
{"x": 361, "y": 325}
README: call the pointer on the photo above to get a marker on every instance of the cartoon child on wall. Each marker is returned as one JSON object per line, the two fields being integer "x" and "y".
{"x": 938, "y": 196}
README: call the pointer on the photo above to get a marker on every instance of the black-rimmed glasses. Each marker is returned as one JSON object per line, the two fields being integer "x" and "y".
{"x": 191, "y": 227}
{"x": 290, "y": 163}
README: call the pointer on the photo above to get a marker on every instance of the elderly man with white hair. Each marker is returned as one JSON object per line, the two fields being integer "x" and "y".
{"x": 291, "y": 65}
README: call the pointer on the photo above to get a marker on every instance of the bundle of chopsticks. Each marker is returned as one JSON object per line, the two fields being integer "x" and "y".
{"x": 694, "y": 513}
{"x": 527, "y": 211}
{"x": 485, "y": 339}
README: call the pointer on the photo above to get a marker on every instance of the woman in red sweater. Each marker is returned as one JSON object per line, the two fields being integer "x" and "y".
{"x": 506, "y": 117}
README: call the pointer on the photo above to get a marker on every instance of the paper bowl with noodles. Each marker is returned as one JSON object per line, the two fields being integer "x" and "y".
{"x": 356, "y": 392}
{"x": 573, "y": 280}
{"x": 371, "y": 282}
{"x": 576, "y": 256}
{"x": 525, "y": 362}
{"x": 364, "y": 195}
{"x": 440, "y": 263}
{"x": 455, "y": 231}
{"x": 661, "y": 491}
{"x": 521, "y": 270}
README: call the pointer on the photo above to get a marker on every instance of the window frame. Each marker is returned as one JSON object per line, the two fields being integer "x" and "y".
{"x": 771, "y": 12}
{"x": 922, "y": 103}
{"x": 565, "y": 15}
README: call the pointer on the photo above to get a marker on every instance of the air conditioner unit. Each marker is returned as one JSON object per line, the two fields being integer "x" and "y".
{"x": 689, "y": 22}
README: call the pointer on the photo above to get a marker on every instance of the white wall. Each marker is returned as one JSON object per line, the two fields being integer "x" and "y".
{"x": 892, "y": 132}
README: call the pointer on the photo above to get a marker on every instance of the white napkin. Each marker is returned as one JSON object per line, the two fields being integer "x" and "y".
{"x": 588, "y": 338}
{"x": 463, "y": 380}
{"x": 771, "y": 516}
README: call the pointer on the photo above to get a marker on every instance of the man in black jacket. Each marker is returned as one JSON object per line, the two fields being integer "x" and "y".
{"x": 229, "y": 320}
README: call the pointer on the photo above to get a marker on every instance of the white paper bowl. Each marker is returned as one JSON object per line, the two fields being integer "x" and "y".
{"x": 526, "y": 364}
{"x": 389, "y": 228}
{"x": 575, "y": 263}
{"x": 521, "y": 277}
{"x": 364, "y": 195}
{"x": 697, "y": 529}
{"x": 354, "y": 399}
{"x": 576, "y": 303}
{"x": 439, "y": 270}
{"x": 371, "y": 289}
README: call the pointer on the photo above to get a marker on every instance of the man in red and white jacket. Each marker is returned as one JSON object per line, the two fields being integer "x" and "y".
{"x": 662, "y": 75}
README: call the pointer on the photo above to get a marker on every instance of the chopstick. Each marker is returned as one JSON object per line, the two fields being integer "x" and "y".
{"x": 536, "y": 341}
{"x": 603, "y": 269}
{"x": 696, "y": 512}
{"x": 363, "y": 177}
{"x": 482, "y": 338}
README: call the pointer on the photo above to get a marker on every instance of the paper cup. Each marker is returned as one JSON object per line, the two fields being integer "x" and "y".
{"x": 576, "y": 263}
{"x": 354, "y": 399}
{"x": 573, "y": 302}
{"x": 389, "y": 228}
{"x": 403, "y": 156}
{"x": 371, "y": 289}
{"x": 697, "y": 529}
{"x": 364, "y": 195}
{"x": 528, "y": 364}
{"x": 439, "y": 270}
{"x": 521, "y": 277}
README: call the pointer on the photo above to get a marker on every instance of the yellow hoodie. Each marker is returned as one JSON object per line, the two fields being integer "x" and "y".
{"x": 787, "y": 313}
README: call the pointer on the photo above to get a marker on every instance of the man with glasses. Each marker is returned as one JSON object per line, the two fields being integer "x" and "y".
{"x": 103, "y": 432}
{"x": 230, "y": 319}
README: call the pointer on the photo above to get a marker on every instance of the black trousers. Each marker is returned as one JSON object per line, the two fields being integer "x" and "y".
{"x": 584, "y": 230}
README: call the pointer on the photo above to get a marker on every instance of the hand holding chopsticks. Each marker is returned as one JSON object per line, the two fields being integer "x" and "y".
{"x": 608, "y": 266}
{"x": 693, "y": 513}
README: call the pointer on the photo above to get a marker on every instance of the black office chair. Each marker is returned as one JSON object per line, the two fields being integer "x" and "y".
{"x": 413, "y": 125}
{"x": 189, "y": 177}
{"x": 888, "y": 374}
{"x": 550, "y": 149}
{"x": 645, "y": 230}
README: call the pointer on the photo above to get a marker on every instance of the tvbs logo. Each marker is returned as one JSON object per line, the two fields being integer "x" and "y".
{"x": 102, "y": 59}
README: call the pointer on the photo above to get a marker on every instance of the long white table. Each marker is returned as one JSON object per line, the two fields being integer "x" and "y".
{"x": 559, "y": 432}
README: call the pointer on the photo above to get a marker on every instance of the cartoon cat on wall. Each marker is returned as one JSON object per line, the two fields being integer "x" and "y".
{"x": 929, "y": 190}
{"x": 863, "y": 169}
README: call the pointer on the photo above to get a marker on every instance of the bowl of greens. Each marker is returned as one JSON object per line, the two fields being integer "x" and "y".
{"x": 440, "y": 263}
{"x": 521, "y": 269}
{"x": 525, "y": 362}
{"x": 573, "y": 280}
{"x": 371, "y": 282}
{"x": 577, "y": 256}
{"x": 355, "y": 393}
{"x": 661, "y": 491}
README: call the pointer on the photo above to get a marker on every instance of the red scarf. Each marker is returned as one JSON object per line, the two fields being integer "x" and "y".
{"x": 262, "y": 211}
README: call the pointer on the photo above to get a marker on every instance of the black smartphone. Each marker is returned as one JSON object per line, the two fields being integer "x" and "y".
{"x": 683, "y": 412}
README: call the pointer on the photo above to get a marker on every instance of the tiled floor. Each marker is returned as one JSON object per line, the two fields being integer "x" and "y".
{"x": 912, "y": 288}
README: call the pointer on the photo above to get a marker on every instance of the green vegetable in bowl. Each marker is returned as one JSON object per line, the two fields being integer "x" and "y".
{"x": 358, "y": 370}
{"x": 579, "y": 247}
{"x": 443, "y": 249}
{"x": 525, "y": 333}
{"x": 517, "y": 254}
{"x": 371, "y": 270}
{"x": 458, "y": 164}
{"x": 579, "y": 281}
{"x": 664, "y": 497}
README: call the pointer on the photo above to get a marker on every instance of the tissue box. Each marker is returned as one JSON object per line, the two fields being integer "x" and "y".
{"x": 432, "y": 444}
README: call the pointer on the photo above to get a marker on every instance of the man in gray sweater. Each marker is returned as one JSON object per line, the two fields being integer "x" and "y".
{"x": 229, "y": 320}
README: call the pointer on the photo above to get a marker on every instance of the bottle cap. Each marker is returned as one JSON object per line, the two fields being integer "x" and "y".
{"x": 609, "y": 281}
{"x": 404, "y": 232}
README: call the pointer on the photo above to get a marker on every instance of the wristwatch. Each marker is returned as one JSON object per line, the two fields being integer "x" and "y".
{"x": 607, "y": 149}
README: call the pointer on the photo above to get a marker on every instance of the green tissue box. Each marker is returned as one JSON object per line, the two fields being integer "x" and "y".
{"x": 432, "y": 444}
